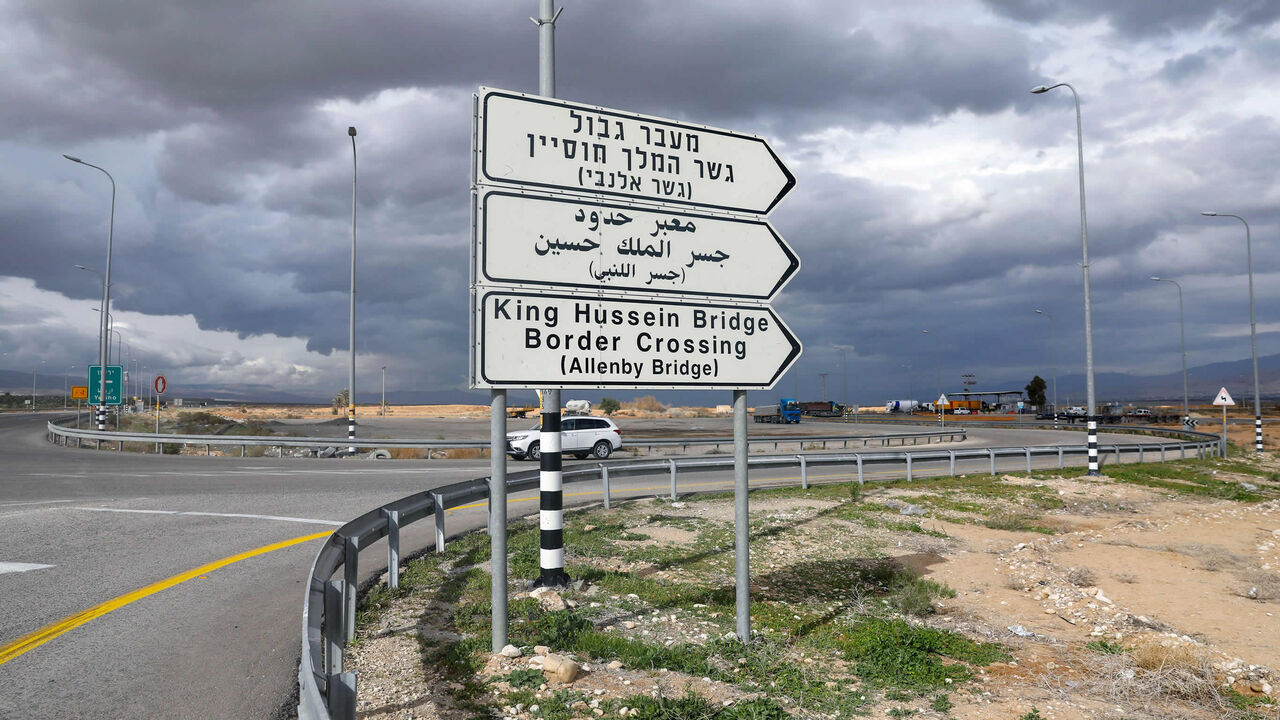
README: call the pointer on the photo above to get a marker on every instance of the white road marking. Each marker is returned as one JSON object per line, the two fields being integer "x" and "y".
{"x": 37, "y": 502}
{"x": 16, "y": 567}
{"x": 248, "y": 516}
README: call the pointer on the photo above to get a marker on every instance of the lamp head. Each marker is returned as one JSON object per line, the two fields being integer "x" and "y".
{"x": 81, "y": 267}
{"x": 72, "y": 158}
{"x": 1039, "y": 311}
{"x": 1153, "y": 277}
{"x": 351, "y": 131}
{"x": 1039, "y": 89}
{"x": 1208, "y": 213}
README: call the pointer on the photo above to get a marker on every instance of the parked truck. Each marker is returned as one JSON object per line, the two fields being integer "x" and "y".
{"x": 786, "y": 411}
{"x": 821, "y": 408}
{"x": 577, "y": 407}
{"x": 901, "y": 406}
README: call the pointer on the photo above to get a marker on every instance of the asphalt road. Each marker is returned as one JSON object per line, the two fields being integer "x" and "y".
{"x": 94, "y": 526}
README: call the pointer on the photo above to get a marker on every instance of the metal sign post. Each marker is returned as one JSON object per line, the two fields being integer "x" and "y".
{"x": 942, "y": 403}
{"x": 1224, "y": 399}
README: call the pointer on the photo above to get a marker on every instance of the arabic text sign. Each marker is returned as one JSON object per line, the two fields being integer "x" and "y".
{"x": 548, "y": 143}
{"x": 115, "y": 375}
{"x": 576, "y": 242}
{"x": 538, "y": 340}
{"x": 79, "y": 392}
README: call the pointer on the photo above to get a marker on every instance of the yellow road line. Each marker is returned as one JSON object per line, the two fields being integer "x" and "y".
{"x": 35, "y": 639}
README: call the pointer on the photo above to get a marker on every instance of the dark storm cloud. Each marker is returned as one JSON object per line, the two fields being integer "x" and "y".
{"x": 1144, "y": 18}
{"x": 237, "y": 208}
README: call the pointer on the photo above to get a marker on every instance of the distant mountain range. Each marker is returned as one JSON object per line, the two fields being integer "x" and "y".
{"x": 1203, "y": 383}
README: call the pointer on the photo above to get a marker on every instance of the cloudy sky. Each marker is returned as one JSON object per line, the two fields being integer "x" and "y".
{"x": 934, "y": 191}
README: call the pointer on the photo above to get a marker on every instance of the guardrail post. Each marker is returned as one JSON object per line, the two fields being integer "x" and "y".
{"x": 1161, "y": 452}
{"x": 342, "y": 696}
{"x": 206, "y": 449}
{"x": 604, "y": 483}
{"x": 859, "y": 458}
{"x": 804, "y": 472}
{"x": 351, "y": 582}
{"x": 1117, "y": 449}
{"x": 334, "y": 633}
{"x": 1139, "y": 453}
{"x": 1182, "y": 448}
{"x": 241, "y": 451}
{"x": 909, "y": 478}
{"x": 393, "y": 548}
{"x": 438, "y": 502}
{"x": 952, "y": 453}
{"x": 1028, "y": 458}
{"x": 992, "y": 453}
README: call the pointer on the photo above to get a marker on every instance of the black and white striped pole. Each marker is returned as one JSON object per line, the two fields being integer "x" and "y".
{"x": 550, "y": 496}
{"x": 351, "y": 337}
{"x": 1253, "y": 332}
{"x": 1091, "y": 416}
{"x": 550, "y": 476}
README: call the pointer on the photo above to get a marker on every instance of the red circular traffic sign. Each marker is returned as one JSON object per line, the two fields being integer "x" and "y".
{"x": 160, "y": 384}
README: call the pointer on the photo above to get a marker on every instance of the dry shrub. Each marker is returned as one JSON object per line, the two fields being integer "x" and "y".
{"x": 648, "y": 403}
{"x": 1154, "y": 674}
{"x": 1125, "y": 577}
{"x": 400, "y": 453}
{"x": 1260, "y": 585}
{"x": 1212, "y": 557}
{"x": 682, "y": 412}
{"x": 1081, "y": 577}
{"x": 462, "y": 454}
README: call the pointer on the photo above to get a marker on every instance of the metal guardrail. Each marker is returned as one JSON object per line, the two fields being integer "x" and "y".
{"x": 326, "y": 691}
{"x": 63, "y": 435}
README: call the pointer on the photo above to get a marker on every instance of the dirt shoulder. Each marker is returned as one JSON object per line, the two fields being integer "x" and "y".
{"x": 1151, "y": 593}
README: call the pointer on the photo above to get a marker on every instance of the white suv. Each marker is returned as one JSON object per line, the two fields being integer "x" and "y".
{"x": 579, "y": 436}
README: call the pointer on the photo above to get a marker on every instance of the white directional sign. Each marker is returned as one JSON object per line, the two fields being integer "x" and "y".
{"x": 529, "y": 339}
{"x": 566, "y": 241}
{"x": 551, "y": 144}
{"x": 1224, "y": 398}
{"x": 942, "y": 400}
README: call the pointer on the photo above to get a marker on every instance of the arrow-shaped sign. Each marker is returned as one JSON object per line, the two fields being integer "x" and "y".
{"x": 552, "y": 144}
{"x": 556, "y": 241}
{"x": 526, "y": 340}
{"x": 1224, "y": 398}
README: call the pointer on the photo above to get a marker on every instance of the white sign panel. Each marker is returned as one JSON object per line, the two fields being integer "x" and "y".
{"x": 552, "y": 144}
{"x": 566, "y": 241}
{"x": 526, "y": 340}
{"x": 1224, "y": 398}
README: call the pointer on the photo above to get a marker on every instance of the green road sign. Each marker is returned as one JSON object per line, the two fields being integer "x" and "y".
{"x": 115, "y": 375}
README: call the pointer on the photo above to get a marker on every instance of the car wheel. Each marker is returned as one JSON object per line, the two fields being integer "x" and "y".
{"x": 602, "y": 450}
{"x": 581, "y": 455}
{"x": 534, "y": 452}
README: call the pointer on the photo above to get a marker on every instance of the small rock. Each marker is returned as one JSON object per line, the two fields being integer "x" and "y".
{"x": 1020, "y": 631}
{"x": 1248, "y": 486}
{"x": 1050, "y": 611}
{"x": 560, "y": 668}
{"x": 588, "y": 528}
{"x": 541, "y": 649}
{"x": 615, "y": 665}
{"x": 533, "y": 708}
{"x": 580, "y": 706}
{"x": 628, "y": 625}
{"x": 911, "y": 510}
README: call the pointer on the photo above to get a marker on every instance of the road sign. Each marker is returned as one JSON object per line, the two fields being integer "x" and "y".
{"x": 1224, "y": 398}
{"x": 552, "y": 144}
{"x": 114, "y": 384}
{"x": 160, "y": 384}
{"x": 942, "y": 400}
{"x": 1189, "y": 423}
{"x": 566, "y": 241}
{"x": 79, "y": 392}
{"x": 529, "y": 340}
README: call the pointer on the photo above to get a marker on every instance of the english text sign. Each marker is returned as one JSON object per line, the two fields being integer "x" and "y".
{"x": 539, "y": 340}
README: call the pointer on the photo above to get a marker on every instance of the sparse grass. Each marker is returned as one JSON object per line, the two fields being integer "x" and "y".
{"x": 1016, "y": 522}
{"x": 941, "y": 703}
{"x": 1104, "y": 647}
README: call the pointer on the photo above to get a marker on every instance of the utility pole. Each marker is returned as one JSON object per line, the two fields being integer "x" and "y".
{"x": 351, "y": 330}
{"x": 824, "y": 385}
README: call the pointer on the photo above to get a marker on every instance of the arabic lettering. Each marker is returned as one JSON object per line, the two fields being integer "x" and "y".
{"x": 718, "y": 256}
{"x": 674, "y": 226}
{"x": 631, "y": 246}
{"x": 555, "y": 246}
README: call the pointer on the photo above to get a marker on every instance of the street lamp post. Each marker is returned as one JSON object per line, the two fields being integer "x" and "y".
{"x": 911, "y": 382}
{"x": 106, "y": 299}
{"x": 1253, "y": 331}
{"x": 384, "y": 391}
{"x": 33, "y": 385}
{"x": 1182, "y": 332}
{"x": 351, "y": 337}
{"x": 1053, "y": 359}
{"x": 1091, "y": 402}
